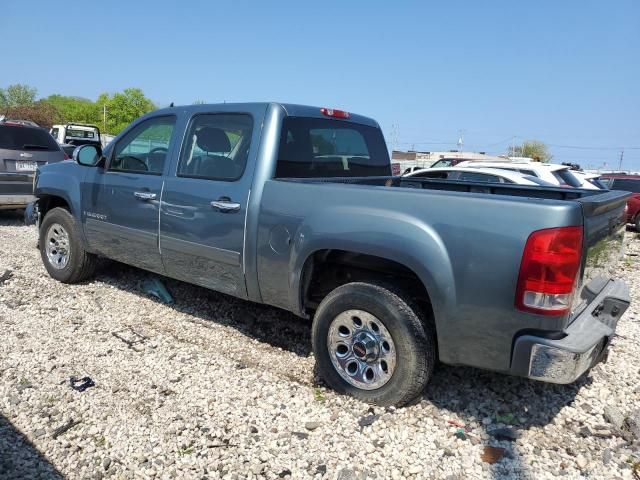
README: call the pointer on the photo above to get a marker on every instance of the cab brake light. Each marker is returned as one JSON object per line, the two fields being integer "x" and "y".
{"x": 549, "y": 270}
{"x": 331, "y": 112}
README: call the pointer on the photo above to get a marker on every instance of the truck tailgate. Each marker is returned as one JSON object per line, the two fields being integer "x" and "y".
{"x": 604, "y": 227}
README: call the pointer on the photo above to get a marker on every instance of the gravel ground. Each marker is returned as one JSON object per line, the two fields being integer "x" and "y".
{"x": 213, "y": 387}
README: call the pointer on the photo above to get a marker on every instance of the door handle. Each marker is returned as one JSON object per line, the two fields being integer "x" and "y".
{"x": 225, "y": 205}
{"x": 145, "y": 195}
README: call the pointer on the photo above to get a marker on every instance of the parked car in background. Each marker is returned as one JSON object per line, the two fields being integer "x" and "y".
{"x": 76, "y": 134}
{"x": 491, "y": 175}
{"x": 627, "y": 183}
{"x": 409, "y": 170}
{"x": 68, "y": 149}
{"x": 549, "y": 172}
{"x": 23, "y": 148}
{"x": 29, "y": 123}
{"x": 294, "y": 206}
{"x": 454, "y": 161}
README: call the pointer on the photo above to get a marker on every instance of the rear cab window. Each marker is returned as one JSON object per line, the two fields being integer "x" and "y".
{"x": 82, "y": 134}
{"x": 318, "y": 147}
{"x": 26, "y": 138}
{"x": 626, "y": 184}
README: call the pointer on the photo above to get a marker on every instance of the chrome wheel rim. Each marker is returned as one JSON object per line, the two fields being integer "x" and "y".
{"x": 57, "y": 246}
{"x": 361, "y": 349}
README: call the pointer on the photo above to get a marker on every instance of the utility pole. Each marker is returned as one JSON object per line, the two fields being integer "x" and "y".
{"x": 620, "y": 164}
{"x": 460, "y": 141}
{"x": 394, "y": 136}
{"x": 513, "y": 146}
{"x": 104, "y": 118}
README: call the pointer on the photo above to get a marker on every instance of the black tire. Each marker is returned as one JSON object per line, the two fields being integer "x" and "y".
{"x": 638, "y": 223}
{"x": 81, "y": 264}
{"x": 414, "y": 341}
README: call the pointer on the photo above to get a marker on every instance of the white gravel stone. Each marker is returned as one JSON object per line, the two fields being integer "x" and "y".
{"x": 217, "y": 387}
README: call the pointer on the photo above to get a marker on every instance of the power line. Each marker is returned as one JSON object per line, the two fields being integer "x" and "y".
{"x": 580, "y": 147}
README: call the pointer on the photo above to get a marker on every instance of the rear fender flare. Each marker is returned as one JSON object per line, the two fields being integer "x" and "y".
{"x": 390, "y": 235}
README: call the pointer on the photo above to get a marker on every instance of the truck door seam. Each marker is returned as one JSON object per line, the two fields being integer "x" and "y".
{"x": 244, "y": 236}
{"x": 159, "y": 217}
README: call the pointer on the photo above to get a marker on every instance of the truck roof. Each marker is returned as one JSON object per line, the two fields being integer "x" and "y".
{"x": 290, "y": 109}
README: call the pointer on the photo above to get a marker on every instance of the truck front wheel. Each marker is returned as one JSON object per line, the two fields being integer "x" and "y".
{"x": 61, "y": 248}
{"x": 370, "y": 343}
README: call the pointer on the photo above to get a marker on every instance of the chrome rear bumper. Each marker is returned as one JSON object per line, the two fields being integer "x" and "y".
{"x": 566, "y": 357}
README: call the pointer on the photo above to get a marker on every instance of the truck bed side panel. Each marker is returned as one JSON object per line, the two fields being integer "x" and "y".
{"x": 466, "y": 248}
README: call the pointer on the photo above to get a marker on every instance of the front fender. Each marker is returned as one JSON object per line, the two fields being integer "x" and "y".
{"x": 62, "y": 180}
{"x": 387, "y": 234}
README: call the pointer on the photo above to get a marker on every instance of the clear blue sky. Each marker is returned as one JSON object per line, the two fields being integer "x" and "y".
{"x": 565, "y": 72}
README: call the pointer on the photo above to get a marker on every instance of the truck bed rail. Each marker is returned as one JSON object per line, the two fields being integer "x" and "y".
{"x": 551, "y": 193}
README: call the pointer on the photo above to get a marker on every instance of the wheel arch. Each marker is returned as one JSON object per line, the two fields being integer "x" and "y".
{"x": 47, "y": 202}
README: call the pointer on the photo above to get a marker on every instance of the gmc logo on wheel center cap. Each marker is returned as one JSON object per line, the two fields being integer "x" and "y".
{"x": 359, "y": 349}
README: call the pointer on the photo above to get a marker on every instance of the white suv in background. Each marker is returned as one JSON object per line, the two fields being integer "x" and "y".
{"x": 549, "y": 172}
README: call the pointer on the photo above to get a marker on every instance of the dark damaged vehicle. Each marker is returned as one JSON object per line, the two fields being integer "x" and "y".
{"x": 23, "y": 148}
{"x": 295, "y": 206}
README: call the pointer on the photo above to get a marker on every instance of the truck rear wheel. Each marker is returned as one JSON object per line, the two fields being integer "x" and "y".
{"x": 370, "y": 343}
{"x": 61, "y": 248}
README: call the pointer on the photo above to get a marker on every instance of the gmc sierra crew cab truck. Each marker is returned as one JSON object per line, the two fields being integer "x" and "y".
{"x": 295, "y": 206}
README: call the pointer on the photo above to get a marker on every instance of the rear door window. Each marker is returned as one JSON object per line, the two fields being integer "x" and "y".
{"x": 318, "y": 147}
{"x": 479, "y": 177}
{"x": 437, "y": 175}
{"x": 26, "y": 138}
{"x": 217, "y": 147}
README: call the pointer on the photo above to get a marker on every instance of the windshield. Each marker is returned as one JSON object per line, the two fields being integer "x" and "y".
{"x": 318, "y": 147}
{"x": 26, "y": 138}
{"x": 443, "y": 163}
{"x": 565, "y": 177}
{"x": 598, "y": 183}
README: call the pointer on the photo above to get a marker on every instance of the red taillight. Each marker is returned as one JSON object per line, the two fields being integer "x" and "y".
{"x": 549, "y": 269}
{"x": 330, "y": 112}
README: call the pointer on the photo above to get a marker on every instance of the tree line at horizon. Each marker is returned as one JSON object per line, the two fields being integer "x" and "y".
{"x": 20, "y": 101}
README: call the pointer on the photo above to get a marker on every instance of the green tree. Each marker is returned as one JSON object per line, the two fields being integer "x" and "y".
{"x": 75, "y": 109}
{"x": 17, "y": 95}
{"x": 534, "y": 149}
{"x": 123, "y": 107}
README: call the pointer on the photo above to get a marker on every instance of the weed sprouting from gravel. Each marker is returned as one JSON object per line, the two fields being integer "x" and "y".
{"x": 318, "y": 395}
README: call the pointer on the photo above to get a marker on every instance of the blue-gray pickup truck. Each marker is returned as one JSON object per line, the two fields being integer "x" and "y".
{"x": 296, "y": 207}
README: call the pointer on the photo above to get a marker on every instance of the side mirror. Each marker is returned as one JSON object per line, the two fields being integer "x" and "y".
{"x": 87, "y": 155}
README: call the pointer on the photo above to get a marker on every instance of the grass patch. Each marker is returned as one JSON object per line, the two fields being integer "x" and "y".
{"x": 318, "y": 395}
{"x": 186, "y": 450}
{"x": 507, "y": 418}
